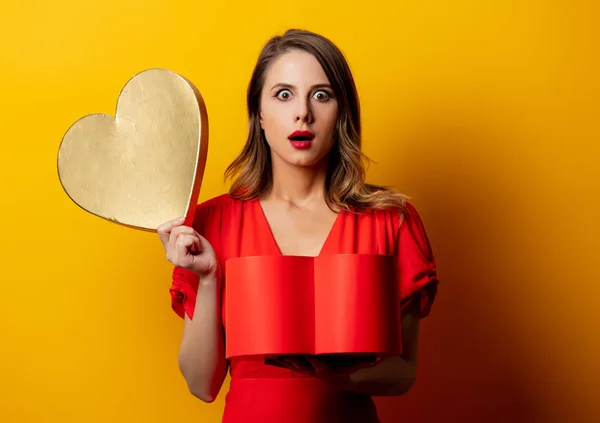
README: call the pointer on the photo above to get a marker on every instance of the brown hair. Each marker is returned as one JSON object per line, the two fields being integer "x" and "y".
{"x": 345, "y": 182}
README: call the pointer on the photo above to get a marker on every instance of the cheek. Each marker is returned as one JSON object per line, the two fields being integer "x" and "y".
{"x": 272, "y": 120}
{"x": 331, "y": 120}
{"x": 329, "y": 113}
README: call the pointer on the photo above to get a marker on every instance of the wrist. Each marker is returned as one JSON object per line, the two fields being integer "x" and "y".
{"x": 208, "y": 276}
{"x": 345, "y": 382}
{"x": 208, "y": 280}
{"x": 352, "y": 382}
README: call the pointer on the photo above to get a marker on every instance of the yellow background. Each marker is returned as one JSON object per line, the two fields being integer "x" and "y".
{"x": 485, "y": 112}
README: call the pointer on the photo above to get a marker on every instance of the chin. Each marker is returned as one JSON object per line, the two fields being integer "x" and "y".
{"x": 302, "y": 158}
{"x": 302, "y": 161}
{"x": 306, "y": 158}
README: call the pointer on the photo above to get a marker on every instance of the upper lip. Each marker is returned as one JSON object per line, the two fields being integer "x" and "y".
{"x": 307, "y": 135}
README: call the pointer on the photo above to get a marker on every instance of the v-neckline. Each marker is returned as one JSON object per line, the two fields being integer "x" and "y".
{"x": 273, "y": 241}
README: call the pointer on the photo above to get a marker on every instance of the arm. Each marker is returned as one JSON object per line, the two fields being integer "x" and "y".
{"x": 202, "y": 351}
{"x": 396, "y": 375}
{"x": 392, "y": 376}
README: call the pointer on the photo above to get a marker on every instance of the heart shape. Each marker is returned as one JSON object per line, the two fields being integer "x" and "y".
{"x": 345, "y": 306}
{"x": 144, "y": 166}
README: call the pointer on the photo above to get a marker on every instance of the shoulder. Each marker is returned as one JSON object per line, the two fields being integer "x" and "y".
{"x": 218, "y": 204}
{"x": 214, "y": 209}
{"x": 403, "y": 220}
{"x": 410, "y": 217}
{"x": 411, "y": 231}
{"x": 385, "y": 203}
{"x": 409, "y": 214}
{"x": 217, "y": 201}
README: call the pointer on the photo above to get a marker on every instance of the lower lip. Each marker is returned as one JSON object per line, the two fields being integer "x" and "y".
{"x": 301, "y": 145}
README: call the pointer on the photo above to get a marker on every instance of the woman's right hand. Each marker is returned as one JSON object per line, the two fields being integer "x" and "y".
{"x": 186, "y": 248}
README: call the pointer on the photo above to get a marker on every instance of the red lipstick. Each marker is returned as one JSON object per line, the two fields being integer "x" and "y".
{"x": 301, "y": 139}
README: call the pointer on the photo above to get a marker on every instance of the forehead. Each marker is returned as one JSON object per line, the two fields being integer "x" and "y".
{"x": 295, "y": 68}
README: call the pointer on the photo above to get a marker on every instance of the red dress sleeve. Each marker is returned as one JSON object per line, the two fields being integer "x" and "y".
{"x": 184, "y": 288}
{"x": 417, "y": 267}
{"x": 184, "y": 285}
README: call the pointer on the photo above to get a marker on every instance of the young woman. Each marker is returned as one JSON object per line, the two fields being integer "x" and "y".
{"x": 298, "y": 189}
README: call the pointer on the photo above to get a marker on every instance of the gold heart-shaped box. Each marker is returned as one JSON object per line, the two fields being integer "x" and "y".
{"x": 144, "y": 166}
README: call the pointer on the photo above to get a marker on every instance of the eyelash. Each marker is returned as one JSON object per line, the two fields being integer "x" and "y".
{"x": 329, "y": 95}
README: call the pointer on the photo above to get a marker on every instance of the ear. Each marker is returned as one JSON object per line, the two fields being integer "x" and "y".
{"x": 260, "y": 119}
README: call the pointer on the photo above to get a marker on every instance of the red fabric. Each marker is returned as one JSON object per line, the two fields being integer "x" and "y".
{"x": 269, "y": 394}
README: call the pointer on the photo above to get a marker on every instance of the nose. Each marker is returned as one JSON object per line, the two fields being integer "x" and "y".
{"x": 304, "y": 113}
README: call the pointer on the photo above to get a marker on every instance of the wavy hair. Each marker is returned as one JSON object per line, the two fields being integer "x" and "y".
{"x": 251, "y": 172}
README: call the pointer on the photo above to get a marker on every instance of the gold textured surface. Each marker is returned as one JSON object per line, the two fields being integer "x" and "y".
{"x": 145, "y": 165}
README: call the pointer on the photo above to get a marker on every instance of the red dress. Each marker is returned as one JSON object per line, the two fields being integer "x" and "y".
{"x": 269, "y": 394}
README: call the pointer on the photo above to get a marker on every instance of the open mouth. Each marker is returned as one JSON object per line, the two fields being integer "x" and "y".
{"x": 301, "y": 136}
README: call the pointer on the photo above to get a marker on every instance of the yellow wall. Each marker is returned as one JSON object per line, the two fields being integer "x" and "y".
{"x": 485, "y": 112}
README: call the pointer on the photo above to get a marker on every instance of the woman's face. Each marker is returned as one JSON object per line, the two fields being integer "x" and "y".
{"x": 298, "y": 110}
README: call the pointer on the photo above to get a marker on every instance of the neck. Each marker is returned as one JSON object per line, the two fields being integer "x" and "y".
{"x": 297, "y": 184}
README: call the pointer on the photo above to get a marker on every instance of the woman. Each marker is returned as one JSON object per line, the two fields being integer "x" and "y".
{"x": 298, "y": 189}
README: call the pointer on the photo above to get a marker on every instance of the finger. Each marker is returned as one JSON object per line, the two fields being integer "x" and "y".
{"x": 204, "y": 244}
{"x": 197, "y": 246}
{"x": 281, "y": 363}
{"x": 272, "y": 362}
{"x": 290, "y": 364}
{"x": 300, "y": 365}
{"x": 165, "y": 229}
{"x": 317, "y": 364}
{"x": 175, "y": 233}
{"x": 167, "y": 226}
{"x": 187, "y": 233}
{"x": 185, "y": 243}
{"x": 285, "y": 362}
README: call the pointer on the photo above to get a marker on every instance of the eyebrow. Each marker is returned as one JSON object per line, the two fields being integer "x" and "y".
{"x": 290, "y": 86}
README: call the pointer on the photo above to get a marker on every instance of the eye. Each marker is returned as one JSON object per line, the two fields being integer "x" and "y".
{"x": 322, "y": 95}
{"x": 283, "y": 94}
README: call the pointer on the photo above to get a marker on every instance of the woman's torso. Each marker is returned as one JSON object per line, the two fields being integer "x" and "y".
{"x": 260, "y": 392}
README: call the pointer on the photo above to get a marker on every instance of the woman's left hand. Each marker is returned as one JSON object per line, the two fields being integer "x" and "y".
{"x": 314, "y": 366}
